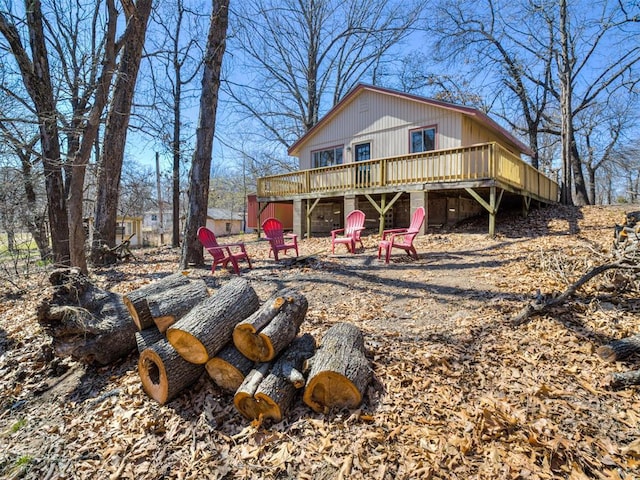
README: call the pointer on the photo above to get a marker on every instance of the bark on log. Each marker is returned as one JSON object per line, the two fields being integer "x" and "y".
{"x": 340, "y": 372}
{"x": 148, "y": 337}
{"x": 168, "y": 307}
{"x": 229, "y": 368}
{"x": 272, "y": 328}
{"x": 136, "y": 301}
{"x": 208, "y": 327}
{"x": 620, "y": 349}
{"x": 624, "y": 379}
{"x": 164, "y": 373}
{"x": 267, "y": 392}
{"x": 85, "y": 322}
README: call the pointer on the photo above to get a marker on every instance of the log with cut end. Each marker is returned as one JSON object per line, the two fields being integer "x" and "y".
{"x": 147, "y": 337}
{"x": 164, "y": 373}
{"x": 620, "y": 349}
{"x": 271, "y": 329}
{"x": 268, "y": 391}
{"x": 136, "y": 301}
{"x": 340, "y": 372}
{"x": 168, "y": 307}
{"x": 229, "y": 368}
{"x": 208, "y": 326}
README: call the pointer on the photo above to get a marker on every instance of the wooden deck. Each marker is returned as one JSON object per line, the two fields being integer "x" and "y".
{"x": 484, "y": 165}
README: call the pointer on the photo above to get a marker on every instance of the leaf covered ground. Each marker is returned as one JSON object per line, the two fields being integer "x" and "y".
{"x": 459, "y": 392}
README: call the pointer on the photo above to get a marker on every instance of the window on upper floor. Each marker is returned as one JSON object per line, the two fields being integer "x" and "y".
{"x": 326, "y": 158}
{"x": 423, "y": 139}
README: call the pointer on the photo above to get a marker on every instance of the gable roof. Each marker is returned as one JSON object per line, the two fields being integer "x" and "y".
{"x": 223, "y": 214}
{"x": 477, "y": 115}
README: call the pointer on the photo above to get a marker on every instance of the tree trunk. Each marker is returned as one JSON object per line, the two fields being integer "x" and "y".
{"x": 136, "y": 301}
{"x": 87, "y": 323}
{"x": 268, "y": 391}
{"x": 270, "y": 330}
{"x": 229, "y": 368}
{"x": 164, "y": 373}
{"x": 110, "y": 167}
{"x": 620, "y": 349}
{"x": 340, "y": 372}
{"x": 169, "y": 307}
{"x": 208, "y": 327}
{"x": 201, "y": 163}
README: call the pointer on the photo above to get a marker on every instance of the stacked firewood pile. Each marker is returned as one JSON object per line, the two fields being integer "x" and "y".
{"x": 251, "y": 349}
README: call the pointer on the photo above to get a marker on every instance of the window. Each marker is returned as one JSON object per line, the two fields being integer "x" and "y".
{"x": 423, "y": 140}
{"x": 326, "y": 158}
{"x": 227, "y": 227}
{"x": 154, "y": 217}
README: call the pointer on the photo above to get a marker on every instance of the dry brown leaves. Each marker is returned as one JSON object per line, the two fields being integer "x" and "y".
{"x": 458, "y": 392}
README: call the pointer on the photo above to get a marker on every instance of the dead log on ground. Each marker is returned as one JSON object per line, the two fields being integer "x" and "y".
{"x": 619, "y": 349}
{"x": 208, "y": 327}
{"x": 229, "y": 368}
{"x": 136, "y": 301}
{"x": 268, "y": 391}
{"x": 168, "y": 307}
{"x": 340, "y": 371}
{"x": 85, "y": 322}
{"x": 164, "y": 373}
{"x": 273, "y": 327}
{"x": 624, "y": 379}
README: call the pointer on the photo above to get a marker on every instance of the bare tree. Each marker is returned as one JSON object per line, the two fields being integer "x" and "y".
{"x": 298, "y": 58}
{"x": 110, "y": 166}
{"x": 174, "y": 58}
{"x": 36, "y": 77}
{"x": 201, "y": 163}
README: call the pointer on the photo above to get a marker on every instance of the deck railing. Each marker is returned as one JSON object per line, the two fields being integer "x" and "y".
{"x": 477, "y": 162}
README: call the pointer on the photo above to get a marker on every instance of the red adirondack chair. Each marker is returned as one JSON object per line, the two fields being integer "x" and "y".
{"x": 350, "y": 234}
{"x": 402, "y": 237}
{"x": 274, "y": 232}
{"x": 222, "y": 254}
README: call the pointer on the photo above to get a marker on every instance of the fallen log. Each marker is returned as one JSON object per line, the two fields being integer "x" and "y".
{"x": 85, "y": 322}
{"x": 268, "y": 391}
{"x": 229, "y": 368}
{"x": 136, "y": 301}
{"x": 340, "y": 372}
{"x": 208, "y": 327}
{"x": 164, "y": 373}
{"x": 167, "y": 307}
{"x": 619, "y": 349}
{"x": 273, "y": 327}
{"x": 147, "y": 337}
{"x": 624, "y": 379}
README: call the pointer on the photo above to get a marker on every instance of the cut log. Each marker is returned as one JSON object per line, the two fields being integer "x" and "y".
{"x": 340, "y": 372}
{"x": 272, "y": 328}
{"x": 148, "y": 337}
{"x": 136, "y": 301}
{"x": 229, "y": 368}
{"x": 168, "y": 307}
{"x": 208, "y": 327}
{"x": 620, "y": 349}
{"x": 624, "y": 379}
{"x": 85, "y": 322}
{"x": 268, "y": 391}
{"x": 164, "y": 373}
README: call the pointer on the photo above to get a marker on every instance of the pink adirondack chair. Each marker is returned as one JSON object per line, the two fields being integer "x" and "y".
{"x": 274, "y": 232}
{"x": 402, "y": 237}
{"x": 350, "y": 234}
{"x": 222, "y": 254}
